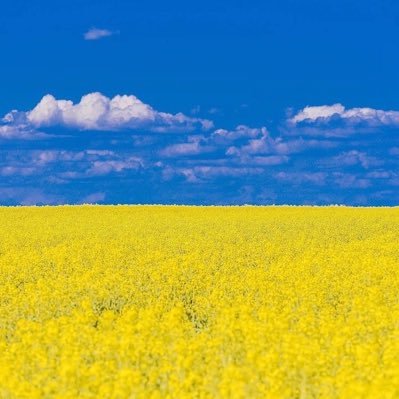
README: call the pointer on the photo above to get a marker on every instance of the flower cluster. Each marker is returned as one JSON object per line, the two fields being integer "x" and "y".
{"x": 199, "y": 302}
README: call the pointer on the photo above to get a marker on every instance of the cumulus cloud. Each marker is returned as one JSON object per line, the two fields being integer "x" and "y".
{"x": 263, "y": 145}
{"x": 240, "y": 132}
{"x": 240, "y": 147}
{"x": 97, "y": 112}
{"x": 316, "y": 112}
{"x": 233, "y": 158}
{"x": 243, "y": 145}
{"x": 325, "y": 114}
{"x": 195, "y": 145}
{"x": 242, "y": 140}
{"x": 96, "y": 34}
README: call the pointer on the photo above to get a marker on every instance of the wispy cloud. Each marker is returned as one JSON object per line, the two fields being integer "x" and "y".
{"x": 351, "y": 158}
{"x": 96, "y": 34}
{"x": 20, "y": 132}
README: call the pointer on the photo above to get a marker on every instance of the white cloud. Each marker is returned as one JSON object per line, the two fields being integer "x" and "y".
{"x": 253, "y": 146}
{"x": 345, "y": 180}
{"x": 21, "y": 132}
{"x": 269, "y": 160}
{"x": 59, "y": 166}
{"x": 41, "y": 158}
{"x": 351, "y": 158}
{"x": 353, "y": 116}
{"x": 322, "y": 111}
{"x": 98, "y": 112}
{"x": 218, "y": 139}
{"x": 17, "y": 170}
{"x": 243, "y": 146}
{"x": 100, "y": 167}
{"x": 93, "y": 162}
{"x": 297, "y": 178}
{"x": 261, "y": 142}
{"x": 380, "y": 174}
{"x": 195, "y": 145}
{"x": 96, "y": 34}
{"x": 182, "y": 149}
{"x": 198, "y": 173}
{"x": 240, "y": 132}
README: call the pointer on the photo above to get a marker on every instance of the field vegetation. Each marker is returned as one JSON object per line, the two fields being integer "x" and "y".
{"x": 199, "y": 302}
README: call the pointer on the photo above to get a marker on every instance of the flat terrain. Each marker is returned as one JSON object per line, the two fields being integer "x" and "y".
{"x": 175, "y": 302}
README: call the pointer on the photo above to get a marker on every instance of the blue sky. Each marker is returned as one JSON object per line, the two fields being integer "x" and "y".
{"x": 211, "y": 102}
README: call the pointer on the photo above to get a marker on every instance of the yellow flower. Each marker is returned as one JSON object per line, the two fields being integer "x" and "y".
{"x": 196, "y": 302}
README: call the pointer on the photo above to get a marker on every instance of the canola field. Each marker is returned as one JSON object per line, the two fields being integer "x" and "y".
{"x": 199, "y": 302}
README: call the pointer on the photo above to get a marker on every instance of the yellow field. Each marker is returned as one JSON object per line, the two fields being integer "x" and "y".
{"x": 184, "y": 302}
